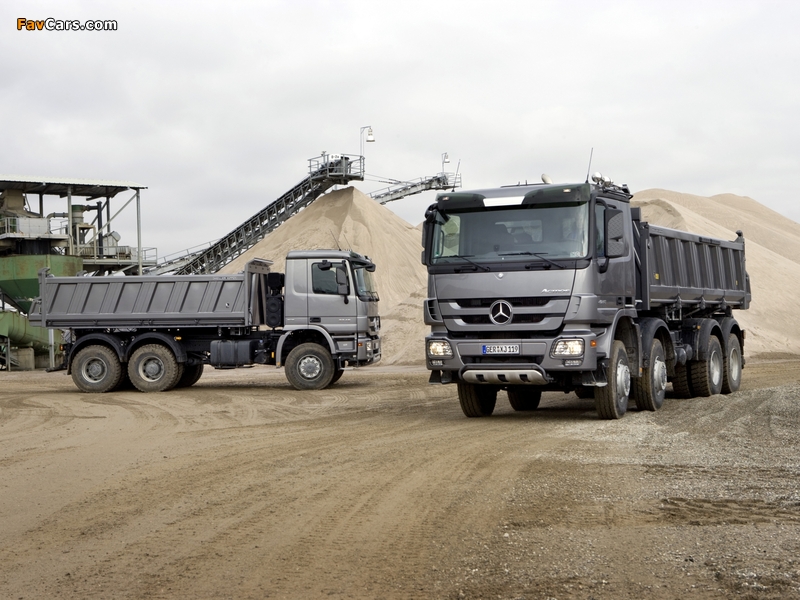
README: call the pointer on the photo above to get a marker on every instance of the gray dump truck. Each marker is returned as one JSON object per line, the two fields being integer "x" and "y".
{"x": 158, "y": 332}
{"x": 564, "y": 287}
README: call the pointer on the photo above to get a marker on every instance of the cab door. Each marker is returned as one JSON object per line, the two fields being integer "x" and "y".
{"x": 331, "y": 298}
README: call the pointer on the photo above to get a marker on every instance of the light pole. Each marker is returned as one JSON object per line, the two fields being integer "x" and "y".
{"x": 370, "y": 137}
{"x": 445, "y": 159}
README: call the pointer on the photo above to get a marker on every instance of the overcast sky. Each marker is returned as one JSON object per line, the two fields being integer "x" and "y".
{"x": 217, "y": 107}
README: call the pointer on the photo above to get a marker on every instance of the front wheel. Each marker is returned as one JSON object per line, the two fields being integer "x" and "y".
{"x": 309, "y": 367}
{"x": 611, "y": 401}
{"x": 153, "y": 368}
{"x": 524, "y": 397}
{"x": 732, "y": 371}
{"x": 477, "y": 400}
{"x": 650, "y": 388}
{"x": 96, "y": 369}
{"x": 337, "y": 375}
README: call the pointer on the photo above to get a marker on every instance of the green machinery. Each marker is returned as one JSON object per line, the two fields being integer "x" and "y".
{"x": 65, "y": 242}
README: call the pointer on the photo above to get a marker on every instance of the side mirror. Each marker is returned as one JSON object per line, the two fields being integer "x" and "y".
{"x": 427, "y": 238}
{"x": 614, "y": 233}
{"x": 370, "y": 268}
{"x": 342, "y": 286}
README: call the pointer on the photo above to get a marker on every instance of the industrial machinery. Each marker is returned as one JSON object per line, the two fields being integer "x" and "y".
{"x": 63, "y": 241}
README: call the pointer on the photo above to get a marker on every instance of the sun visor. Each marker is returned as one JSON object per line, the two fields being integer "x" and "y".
{"x": 567, "y": 193}
{"x": 459, "y": 201}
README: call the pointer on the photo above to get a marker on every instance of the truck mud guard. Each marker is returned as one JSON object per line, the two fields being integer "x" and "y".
{"x": 696, "y": 333}
{"x": 154, "y": 336}
{"x": 288, "y": 333}
{"x": 104, "y": 339}
{"x": 648, "y": 329}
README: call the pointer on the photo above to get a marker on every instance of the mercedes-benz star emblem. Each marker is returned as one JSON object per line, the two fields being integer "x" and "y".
{"x": 500, "y": 312}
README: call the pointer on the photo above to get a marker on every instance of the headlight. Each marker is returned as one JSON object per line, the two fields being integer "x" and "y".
{"x": 440, "y": 348}
{"x": 567, "y": 348}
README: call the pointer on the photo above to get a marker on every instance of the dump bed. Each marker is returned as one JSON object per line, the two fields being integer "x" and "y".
{"x": 689, "y": 270}
{"x": 149, "y": 300}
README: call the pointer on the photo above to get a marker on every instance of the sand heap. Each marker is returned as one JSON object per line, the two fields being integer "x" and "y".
{"x": 350, "y": 219}
{"x": 358, "y": 222}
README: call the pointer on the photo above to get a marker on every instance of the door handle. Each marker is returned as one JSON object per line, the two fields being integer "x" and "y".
{"x": 316, "y": 320}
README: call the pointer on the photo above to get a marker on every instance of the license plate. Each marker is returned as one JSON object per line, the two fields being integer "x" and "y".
{"x": 501, "y": 349}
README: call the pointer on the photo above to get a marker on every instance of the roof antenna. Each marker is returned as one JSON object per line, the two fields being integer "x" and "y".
{"x": 349, "y": 247}
{"x": 335, "y": 239}
{"x": 589, "y": 170}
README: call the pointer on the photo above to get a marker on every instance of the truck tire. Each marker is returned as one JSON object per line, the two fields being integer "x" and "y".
{"x": 524, "y": 397}
{"x": 96, "y": 370}
{"x": 732, "y": 372}
{"x": 309, "y": 367}
{"x": 191, "y": 375}
{"x": 681, "y": 382}
{"x": 337, "y": 375}
{"x": 649, "y": 389}
{"x": 153, "y": 368}
{"x": 706, "y": 375}
{"x": 611, "y": 401}
{"x": 477, "y": 400}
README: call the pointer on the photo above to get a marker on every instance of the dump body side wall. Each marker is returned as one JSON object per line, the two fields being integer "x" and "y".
{"x": 686, "y": 270}
{"x": 143, "y": 301}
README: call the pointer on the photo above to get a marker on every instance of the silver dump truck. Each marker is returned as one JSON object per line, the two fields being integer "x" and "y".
{"x": 158, "y": 332}
{"x": 564, "y": 287}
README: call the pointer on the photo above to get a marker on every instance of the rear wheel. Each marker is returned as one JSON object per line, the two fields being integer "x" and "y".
{"x": 649, "y": 389}
{"x": 681, "y": 382}
{"x": 706, "y": 375}
{"x": 611, "y": 401}
{"x": 191, "y": 375}
{"x": 96, "y": 369}
{"x": 732, "y": 371}
{"x": 477, "y": 400}
{"x": 153, "y": 368}
{"x": 309, "y": 367}
{"x": 524, "y": 397}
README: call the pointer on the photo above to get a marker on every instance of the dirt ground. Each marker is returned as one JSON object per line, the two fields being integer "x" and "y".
{"x": 379, "y": 487}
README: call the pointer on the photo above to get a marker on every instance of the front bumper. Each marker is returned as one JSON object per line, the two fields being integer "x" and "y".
{"x": 534, "y": 364}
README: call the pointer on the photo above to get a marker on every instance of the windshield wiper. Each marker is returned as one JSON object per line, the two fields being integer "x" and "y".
{"x": 466, "y": 258}
{"x": 542, "y": 256}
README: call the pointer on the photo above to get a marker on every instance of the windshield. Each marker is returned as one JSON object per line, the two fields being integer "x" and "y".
{"x": 366, "y": 289}
{"x": 538, "y": 231}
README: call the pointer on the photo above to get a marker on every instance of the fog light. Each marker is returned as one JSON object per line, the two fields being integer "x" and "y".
{"x": 573, "y": 362}
{"x": 567, "y": 348}
{"x": 440, "y": 348}
{"x": 437, "y": 363}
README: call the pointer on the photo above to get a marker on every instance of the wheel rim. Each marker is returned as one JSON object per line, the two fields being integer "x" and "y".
{"x": 95, "y": 370}
{"x": 659, "y": 375}
{"x": 715, "y": 368}
{"x": 151, "y": 369}
{"x": 309, "y": 367}
{"x": 623, "y": 380}
{"x": 735, "y": 363}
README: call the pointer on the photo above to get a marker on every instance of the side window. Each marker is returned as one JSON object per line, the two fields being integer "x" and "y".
{"x": 323, "y": 281}
{"x": 599, "y": 220}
